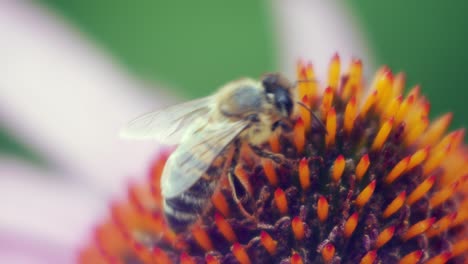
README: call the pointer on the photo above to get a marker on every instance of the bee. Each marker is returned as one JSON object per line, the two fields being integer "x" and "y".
{"x": 244, "y": 110}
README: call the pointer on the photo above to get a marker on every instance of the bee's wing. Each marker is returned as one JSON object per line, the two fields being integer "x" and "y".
{"x": 166, "y": 125}
{"x": 196, "y": 154}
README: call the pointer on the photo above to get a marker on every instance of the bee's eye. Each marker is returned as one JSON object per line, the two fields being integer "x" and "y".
{"x": 269, "y": 83}
{"x": 283, "y": 100}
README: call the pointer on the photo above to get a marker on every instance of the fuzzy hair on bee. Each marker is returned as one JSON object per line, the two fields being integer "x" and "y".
{"x": 245, "y": 110}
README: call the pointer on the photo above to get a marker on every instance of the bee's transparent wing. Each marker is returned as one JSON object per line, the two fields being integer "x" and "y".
{"x": 166, "y": 125}
{"x": 196, "y": 153}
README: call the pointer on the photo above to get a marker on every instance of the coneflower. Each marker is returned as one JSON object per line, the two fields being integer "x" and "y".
{"x": 368, "y": 179}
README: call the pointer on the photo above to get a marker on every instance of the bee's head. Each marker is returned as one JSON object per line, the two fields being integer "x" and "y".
{"x": 279, "y": 88}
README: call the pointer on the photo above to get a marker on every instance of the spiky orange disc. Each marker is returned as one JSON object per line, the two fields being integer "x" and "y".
{"x": 369, "y": 180}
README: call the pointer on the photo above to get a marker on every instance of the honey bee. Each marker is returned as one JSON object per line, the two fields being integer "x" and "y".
{"x": 245, "y": 110}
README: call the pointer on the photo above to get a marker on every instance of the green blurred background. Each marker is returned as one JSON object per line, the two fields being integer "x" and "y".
{"x": 194, "y": 47}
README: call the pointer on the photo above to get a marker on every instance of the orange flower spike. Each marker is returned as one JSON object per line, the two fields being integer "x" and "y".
{"x": 311, "y": 82}
{"x": 442, "y": 225}
{"x": 395, "y": 205}
{"x": 161, "y": 256}
{"x": 338, "y": 168}
{"x": 436, "y": 130}
{"x": 384, "y": 89}
{"x": 370, "y": 101}
{"x": 202, "y": 238}
{"x": 418, "y": 228}
{"x": 418, "y": 129}
{"x": 225, "y": 228}
{"x": 435, "y": 159}
{"x": 440, "y": 259}
{"x": 421, "y": 190}
{"x": 298, "y": 228}
{"x": 304, "y": 173}
{"x": 210, "y": 259}
{"x": 268, "y": 243}
{"x": 412, "y": 258}
{"x": 405, "y": 106}
{"x": 350, "y": 115}
{"x": 269, "y": 169}
{"x": 296, "y": 259}
{"x": 305, "y": 112}
{"x": 331, "y": 125}
{"x": 354, "y": 83}
{"x": 382, "y": 135}
{"x": 458, "y": 138}
{"x": 384, "y": 236}
{"x": 328, "y": 251}
{"x": 327, "y": 101}
{"x": 299, "y": 135}
{"x": 420, "y": 109}
{"x": 392, "y": 108}
{"x": 449, "y": 140}
{"x": 220, "y": 203}
{"x": 460, "y": 247}
{"x": 365, "y": 195}
{"x": 281, "y": 201}
{"x": 186, "y": 259}
{"x": 362, "y": 167}
{"x": 350, "y": 225}
{"x": 418, "y": 157}
{"x": 301, "y": 70}
{"x": 322, "y": 208}
{"x": 369, "y": 258}
{"x": 398, "y": 83}
{"x": 302, "y": 87}
{"x": 398, "y": 170}
{"x": 306, "y": 85}
{"x": 462, "y": 215}
{"x": 355, "y": 71}
{"x": 274, "y": 142}
{"x": 334, "y": 72}
{"x": 415, "y": 92}
{"x": 240, "y": 254}
{"x": 443, "y": 195}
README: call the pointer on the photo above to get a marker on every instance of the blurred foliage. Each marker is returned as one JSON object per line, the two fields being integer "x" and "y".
{"x": 194, "y": 46}
{"x": 426, "y": 39}
{"x": 9, "y": 144}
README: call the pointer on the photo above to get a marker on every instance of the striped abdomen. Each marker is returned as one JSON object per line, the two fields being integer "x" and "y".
{"x": 183, "y": 210}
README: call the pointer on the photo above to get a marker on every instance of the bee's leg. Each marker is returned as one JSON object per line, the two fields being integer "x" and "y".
{"x": 236, "y": 199}
{"x": 277, "y": 158}
{"x": 230, "y": 175}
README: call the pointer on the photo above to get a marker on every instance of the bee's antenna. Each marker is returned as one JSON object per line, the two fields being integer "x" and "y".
{"x": 315, "y": 117}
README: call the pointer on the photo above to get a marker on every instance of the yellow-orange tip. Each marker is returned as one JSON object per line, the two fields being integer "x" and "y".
{"x": 418, "y": 228}
{"x": 322, "y": 208}
{"x": 365, "y": 194}
{"x": 412, "y": 258}
{"x": 304, "y": 173}
{"x": 298, "y": 228}
{"x": 369, "y": 258}
{"x": 281, "y": 201}
{"x": 350, "y": 225}
{"x": 328, "y": 252}
{"x": 240, "y": 253}
{"x": 268, "y": 242}
{"x": 296, "y": 259}
{"x": 395, "y": 205}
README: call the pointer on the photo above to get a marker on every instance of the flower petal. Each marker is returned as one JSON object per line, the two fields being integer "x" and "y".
{"x": 42, "y": 209}
{"x": 315, "y": 30}
{"x": 67, "y": 99}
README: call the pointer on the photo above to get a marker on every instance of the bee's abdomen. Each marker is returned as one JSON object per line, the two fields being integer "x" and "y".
{"x": 183, "y": 210}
